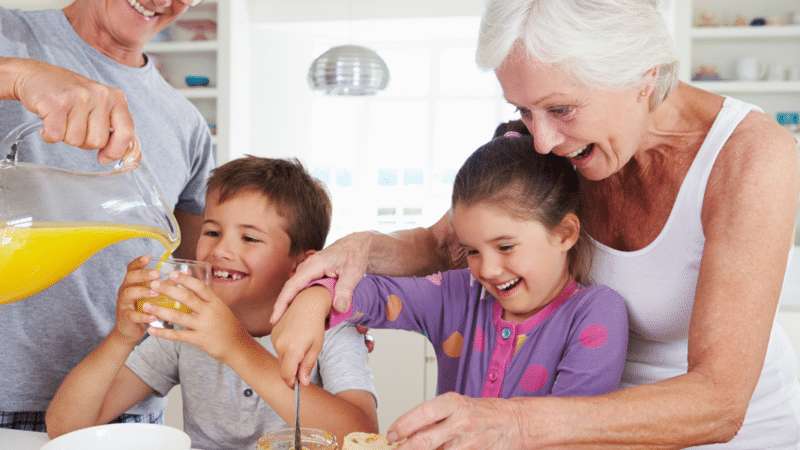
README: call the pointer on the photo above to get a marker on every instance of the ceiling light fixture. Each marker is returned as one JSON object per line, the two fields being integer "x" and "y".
{"x": 349, "y": 71}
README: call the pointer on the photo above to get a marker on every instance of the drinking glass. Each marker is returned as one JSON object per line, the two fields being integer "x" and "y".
{"x": 197, "y": 269}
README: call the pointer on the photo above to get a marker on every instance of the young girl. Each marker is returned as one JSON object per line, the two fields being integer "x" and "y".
{"x": 523, "y": 320}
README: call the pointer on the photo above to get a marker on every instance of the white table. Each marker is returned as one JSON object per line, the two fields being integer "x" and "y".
{"x": 22, "y": 440}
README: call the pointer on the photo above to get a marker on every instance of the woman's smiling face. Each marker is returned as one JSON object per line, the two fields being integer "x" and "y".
{"x": 599, "y": 131}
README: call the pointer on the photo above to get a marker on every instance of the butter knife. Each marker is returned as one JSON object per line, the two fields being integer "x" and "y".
{"x": 297, "y": 444}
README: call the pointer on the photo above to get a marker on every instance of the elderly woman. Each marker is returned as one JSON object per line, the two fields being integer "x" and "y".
{"x": 83, "y": 71}
{"x": 691, "y": 199}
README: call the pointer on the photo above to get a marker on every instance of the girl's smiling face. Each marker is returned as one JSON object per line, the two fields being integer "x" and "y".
{"x": 519, "y": 262}
{"x": 599, "y": 131}
{"x": 244, "y": 240}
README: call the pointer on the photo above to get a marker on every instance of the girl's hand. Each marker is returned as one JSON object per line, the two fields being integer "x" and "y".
{"x": 130, "y": 323}
{"x": 299, "y": 335}
{"x": 212, "y": 327}
{"x": 456, "y": 422}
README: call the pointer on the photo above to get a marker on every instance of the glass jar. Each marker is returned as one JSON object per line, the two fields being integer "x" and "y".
{"x": 311, "y": 438}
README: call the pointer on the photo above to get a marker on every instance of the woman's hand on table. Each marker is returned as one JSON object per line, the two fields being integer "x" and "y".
{"x": 457, "y": 422}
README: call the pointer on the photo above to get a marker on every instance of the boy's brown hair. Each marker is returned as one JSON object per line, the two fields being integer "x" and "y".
{"x": 297, "y": 196}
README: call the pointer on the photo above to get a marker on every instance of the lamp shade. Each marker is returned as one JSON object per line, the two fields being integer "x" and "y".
{"x": 348, "y": 70}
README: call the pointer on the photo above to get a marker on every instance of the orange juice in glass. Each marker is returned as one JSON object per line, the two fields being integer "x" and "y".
{"x": 197, "y": 269}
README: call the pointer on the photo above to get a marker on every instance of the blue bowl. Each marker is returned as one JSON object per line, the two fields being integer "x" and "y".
{"x": 195, "y": 80}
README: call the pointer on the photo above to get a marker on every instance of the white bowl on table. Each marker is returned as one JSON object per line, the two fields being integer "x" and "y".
{"x": 123, "y": 436}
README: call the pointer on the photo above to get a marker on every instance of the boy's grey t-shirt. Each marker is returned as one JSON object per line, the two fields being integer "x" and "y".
{"x": 43, "y": 337}
{"x": 220, "y": 411}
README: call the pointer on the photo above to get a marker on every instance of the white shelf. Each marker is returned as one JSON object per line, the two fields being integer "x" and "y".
{"x": 199, "y": 92}
{"x": 775, "y": 47}
{"x": 181, "y": 47}
{"x": 745, "y": 32}
{"x": 749, "y": 87}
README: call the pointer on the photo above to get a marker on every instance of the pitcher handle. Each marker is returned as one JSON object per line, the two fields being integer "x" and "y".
{"x": 12, "y": 140}
{"x": 15, "y": 136}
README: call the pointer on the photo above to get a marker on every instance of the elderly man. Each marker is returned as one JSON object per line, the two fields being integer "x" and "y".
{"x": 83, "y": 71}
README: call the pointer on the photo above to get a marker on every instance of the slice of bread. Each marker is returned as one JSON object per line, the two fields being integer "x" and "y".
{"x": 366, "y": 441}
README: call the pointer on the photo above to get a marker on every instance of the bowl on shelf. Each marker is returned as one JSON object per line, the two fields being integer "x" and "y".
{"x": 123, "y": 436}
{"x": 196, "y": 80}
{"x": 202, "y": 29}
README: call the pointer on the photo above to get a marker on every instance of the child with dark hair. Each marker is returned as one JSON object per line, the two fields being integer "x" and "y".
{"x": 263, "y": 217}
{"x": 523, "y": 319}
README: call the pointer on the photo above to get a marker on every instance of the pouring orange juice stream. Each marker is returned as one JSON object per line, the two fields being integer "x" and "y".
{"x": 36, "y": 257}
{"x": 53, "y": 220}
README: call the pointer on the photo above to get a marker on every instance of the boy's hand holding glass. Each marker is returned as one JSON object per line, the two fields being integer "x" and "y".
{"x": 195, "y": 269}
{"x": 131, "y": 322}
{"x": 299, "y": 334}
{"x": 209, "y": 324}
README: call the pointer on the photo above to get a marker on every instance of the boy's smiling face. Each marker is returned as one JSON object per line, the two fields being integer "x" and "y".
{"x": 244, "y": 240}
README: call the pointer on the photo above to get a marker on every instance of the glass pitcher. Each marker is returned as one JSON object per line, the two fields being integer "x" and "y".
{"x": 53, "y": 220}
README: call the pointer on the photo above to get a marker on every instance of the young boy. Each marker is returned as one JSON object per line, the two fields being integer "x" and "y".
{"x": 262, "y": 218}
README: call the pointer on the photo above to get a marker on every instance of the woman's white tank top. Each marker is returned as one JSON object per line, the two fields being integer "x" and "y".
{"x": 658, "y": 283}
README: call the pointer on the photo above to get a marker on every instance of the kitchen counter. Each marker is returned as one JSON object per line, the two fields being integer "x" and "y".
{"x": 22, "y": 440}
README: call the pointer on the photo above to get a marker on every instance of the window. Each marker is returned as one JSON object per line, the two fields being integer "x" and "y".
{"x": 390, "y": 160}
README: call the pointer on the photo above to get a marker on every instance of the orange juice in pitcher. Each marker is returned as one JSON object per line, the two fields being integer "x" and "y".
{"x": 53, "y": 220}
{"x": 33, "y": 258}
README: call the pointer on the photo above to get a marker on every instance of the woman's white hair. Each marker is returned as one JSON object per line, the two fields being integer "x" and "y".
{"x": 602, "y": 44}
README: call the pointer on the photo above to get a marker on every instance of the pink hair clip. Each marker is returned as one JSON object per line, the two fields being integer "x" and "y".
{"x": 514, "y": 134}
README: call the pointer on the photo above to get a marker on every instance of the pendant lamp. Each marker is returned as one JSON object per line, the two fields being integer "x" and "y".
{"x": 349, "y": 71}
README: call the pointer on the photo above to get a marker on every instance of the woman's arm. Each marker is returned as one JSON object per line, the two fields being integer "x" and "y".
{"x": 748, "y": 217}
{"x": 419, "y": 251}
